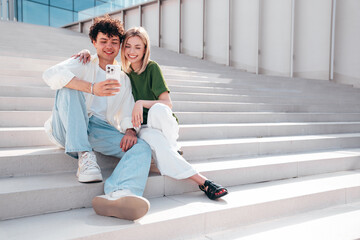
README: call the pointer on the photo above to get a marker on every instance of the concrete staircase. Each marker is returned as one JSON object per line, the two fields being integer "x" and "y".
{"x": 287, "y": 149}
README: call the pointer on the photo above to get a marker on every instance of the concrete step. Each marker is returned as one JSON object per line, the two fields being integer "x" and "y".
{"x": 37, "y": 118}
{"x": 261, "y": 107}
{"x": 318, "y": 224}
{"x": 186, "y": 117}
{"x": 226, "y": 138}
{"x": 237, "y": 130}
{"x": 290, "y": 92}
{"x": 23, "y": 137}
{"x": 42, "y": 160}
{"x": 243, "y": 84}
{"x": 33, "y": 90}
{"x": 23, "y": 118}
{"x": 210, "y": 149}
{"x": 245, "y": 98}
{"x": 26, "y": 104}
{"x": 43, "y": 103}
{"x": 26, "y": 91}
{"x": 8, "y": 79}
{"x": 36, "y": 136}
{"x": 187, "y": 215}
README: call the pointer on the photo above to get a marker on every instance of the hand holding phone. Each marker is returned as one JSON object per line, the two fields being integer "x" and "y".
{"x": 113, "y": 78}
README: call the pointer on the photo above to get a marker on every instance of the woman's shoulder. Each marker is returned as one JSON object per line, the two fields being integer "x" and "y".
{"x": 153, "y": 65}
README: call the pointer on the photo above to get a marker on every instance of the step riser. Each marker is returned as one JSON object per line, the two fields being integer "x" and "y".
{"x": 261, "y": 147}
{"x": 261, "y": 92}
{"x": 43, "y": 164}
{"x": 253, "y": 107}
{"x": 21, "y": 80}
{"x": 214, "y": 82}
{"x": 38, "y": 118}
{"x": 26, "y": 104}
{"x": 225, "y": 132}
{"x": 43, "y": 104}
{"x": 24, "y": 139}
{"x": 23, "y": 204}
{"x": 251, "y": 117}
{"x": 23, "y": 119}
{"x": 38, "y": 137}
{"x": 15, "y": 91}
{"x": 10, "y": 91}
{"x": 39, "y": 164}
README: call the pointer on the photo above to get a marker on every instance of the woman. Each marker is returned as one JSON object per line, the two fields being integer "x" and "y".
{"x": 152, "y": 111}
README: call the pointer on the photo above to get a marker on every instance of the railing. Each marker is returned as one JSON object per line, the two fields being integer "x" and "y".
{"x": 294, "y": 38}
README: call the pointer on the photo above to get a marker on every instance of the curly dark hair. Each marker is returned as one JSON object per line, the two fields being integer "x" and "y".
{"x": 108, "y": 26}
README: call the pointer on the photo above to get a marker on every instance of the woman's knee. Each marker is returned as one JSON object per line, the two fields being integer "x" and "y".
{"x": 160, "y": 109}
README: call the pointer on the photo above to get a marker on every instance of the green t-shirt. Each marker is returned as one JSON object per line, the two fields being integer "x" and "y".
{"x": 148, "y": 85}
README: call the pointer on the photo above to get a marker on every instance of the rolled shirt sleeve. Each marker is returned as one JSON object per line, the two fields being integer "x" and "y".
{"x": 59, "y": 75}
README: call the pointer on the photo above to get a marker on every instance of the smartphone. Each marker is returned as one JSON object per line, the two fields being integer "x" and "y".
{"x": 113, "y": 72}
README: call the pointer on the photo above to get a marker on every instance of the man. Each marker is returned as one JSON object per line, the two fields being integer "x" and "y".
{"x": 92, "y": 113}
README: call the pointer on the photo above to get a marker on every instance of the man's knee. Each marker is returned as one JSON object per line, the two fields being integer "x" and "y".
{"x": 67, "y": 93}
{"x": 143, "y": 147}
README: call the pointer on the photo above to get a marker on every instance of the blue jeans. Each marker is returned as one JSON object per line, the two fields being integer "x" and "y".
{"x": 72, "y": 127}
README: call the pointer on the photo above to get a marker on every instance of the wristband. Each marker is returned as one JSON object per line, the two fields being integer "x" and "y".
{"x": 92, "y": 89}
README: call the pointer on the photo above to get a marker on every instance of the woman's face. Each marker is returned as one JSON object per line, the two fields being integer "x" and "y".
{"x": 134, "y": 50}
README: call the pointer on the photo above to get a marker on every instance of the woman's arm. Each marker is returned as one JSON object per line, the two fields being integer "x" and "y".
{"x": 137, "y": 114}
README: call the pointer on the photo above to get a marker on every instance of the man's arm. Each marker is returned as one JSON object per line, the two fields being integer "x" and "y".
{"x": 59, "y": 75}
{"x": 104, "y": 88}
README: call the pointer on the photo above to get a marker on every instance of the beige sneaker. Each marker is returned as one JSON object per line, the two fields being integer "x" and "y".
{"x": 88, "y": 170}
{"x": 121, "y": 204}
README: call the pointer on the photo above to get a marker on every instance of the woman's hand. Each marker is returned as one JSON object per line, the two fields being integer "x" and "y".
{"x": 83, "y": 55}
{"x": 137, "y": 114}
{"x": 129, "y": 140}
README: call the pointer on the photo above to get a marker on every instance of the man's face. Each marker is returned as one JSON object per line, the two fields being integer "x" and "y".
{"x": 107, "y": 48}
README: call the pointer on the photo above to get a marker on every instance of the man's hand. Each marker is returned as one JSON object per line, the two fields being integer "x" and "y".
{"x": 129, "y": 140}
{"x": 137, "y": 114}
{"x": 106, "y": 88}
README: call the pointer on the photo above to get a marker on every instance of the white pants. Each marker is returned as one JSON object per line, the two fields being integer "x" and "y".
{"x": 161, "y": 133}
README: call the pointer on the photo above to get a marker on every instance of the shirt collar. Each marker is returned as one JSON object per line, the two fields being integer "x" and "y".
{"x": 95, "y": 59}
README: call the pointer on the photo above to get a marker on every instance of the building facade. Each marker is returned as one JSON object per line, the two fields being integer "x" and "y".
{"x": 57, "y": 13}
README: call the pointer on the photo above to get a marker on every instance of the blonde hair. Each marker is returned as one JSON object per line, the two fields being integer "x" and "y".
{"x": 142, "y": 34}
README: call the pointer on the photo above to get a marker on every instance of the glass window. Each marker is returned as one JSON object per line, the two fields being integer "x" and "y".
{"x": 19, "y": 12}
{"x": 80, "y": 5}
{"x": 67, "y": 4}
{"x": 60, "y": 17}
{"x": 41, "y": 1}
{"x": 35, "y": 13}
{"x": 100, "y": 2}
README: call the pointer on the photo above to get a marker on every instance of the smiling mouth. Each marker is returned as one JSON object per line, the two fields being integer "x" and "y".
{"x": 132, "y": 57}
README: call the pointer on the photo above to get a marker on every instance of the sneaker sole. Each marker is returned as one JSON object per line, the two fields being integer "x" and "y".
{"x": 90, "y": 178}
{"x": 127, "y": 207}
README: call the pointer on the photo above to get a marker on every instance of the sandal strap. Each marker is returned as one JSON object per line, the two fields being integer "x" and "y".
{"x": 212, "y": 189}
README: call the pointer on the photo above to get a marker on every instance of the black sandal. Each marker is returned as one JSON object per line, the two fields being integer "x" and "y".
{"x": 213, "y": 191}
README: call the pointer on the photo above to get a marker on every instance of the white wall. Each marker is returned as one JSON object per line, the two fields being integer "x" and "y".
{"x": 216, "y": 31}
{"x": 244, "y": 34}
{"x": 275, "y": 37}
{"x": 132, "y": 18}
{"x": 170, "y": 25}
{"x": 191, "y": 27}
{"x": 312, "y": 39}
{"x": 150, "y": 21}
{"x": 347, "y": 42}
